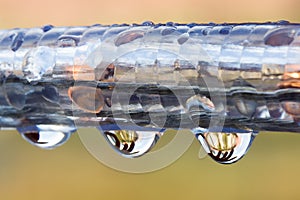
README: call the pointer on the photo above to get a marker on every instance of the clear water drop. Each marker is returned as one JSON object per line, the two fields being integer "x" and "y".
{"x": 47, "y": 27}
{"x": 88, "y": 99}
{"x": 67, "y": 41}
{"x": 46, "y": 136}
{"x": 183, "y": 38}
{"x": 37, "y": 62}
{"x": 199, "y": 105}
{"x": 128, "y": 36}
{"x": 17, "y": 41}
{"x": 132, "y": 143}
{"x": 245, "y": 106}
{"x": 291, "y": 107}
{"x": 226, "y": 146}
{"x": 199, "y": 102}
{"x": 15, "y": 95}
{"x": 50, "y": 93}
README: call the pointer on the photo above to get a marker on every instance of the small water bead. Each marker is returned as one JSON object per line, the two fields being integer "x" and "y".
{"x": 291, "y": 107}
{"x": 68, "y": 41}
{"x": 50, "y": 93}
{"x": 201, "y": 102}
{"x": 46, "y": 136}
{"x": 148, "y": 23}
{"x": 183, "y": 38}
{"x": 167, "y": 31}
{"x": 227, "y": 146}
{"x": 108, "y": 74}
{"x": 47, "y": 28}
{"x": 15, "y": 95}
{"x": 128, "y": 36}
{"x": 17, "y": 41}
{"x": 225, "y": 31}
{"x": 170, "y": 24}
{"x": 89, "y": 99}
{"x": 132, "y": 143}
{"x": 245, "y": 106}
{"x": 276, "y": 111}
{"x": 280, "y": 37}
{"x": 37, "y": 62}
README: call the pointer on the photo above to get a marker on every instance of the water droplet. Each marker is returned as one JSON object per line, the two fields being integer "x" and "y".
{"x": 128, "y": 36}
{"x": 50, "y": 93}
{"x": 201, "y": 102}
{"x": 14, "y": 94}
{"x": 198, "y": 106}
{"x": 291, "y": 107}
{"x": 17, "y": 41}
{"x": 245, "y": 106}
{"x": 37, "y": 62}
{"x": 227, "y": 146}
{"x": 170, "y": 24}
{"x": 167, "y": 31}
{"x": 280, "y": 37}
{"x": 225, "y": 31}
{"x": 283, "y": 22}
{"x": 67, "y": 41}
{"x": 47, "y": 28}
{"x": 108, "y": 74}
{"x": 89, "y": 99}
{"x": 46, "y": 136}
{"x": 148, "y": 23}
{"x": 132, "y": 143}
{"x": 183, "y": 38}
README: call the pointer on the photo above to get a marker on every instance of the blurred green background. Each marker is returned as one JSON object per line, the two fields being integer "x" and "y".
{"x": 269, "y": 170}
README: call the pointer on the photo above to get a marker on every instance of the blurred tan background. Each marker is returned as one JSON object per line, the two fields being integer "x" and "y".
{"x": 269, "y": 170}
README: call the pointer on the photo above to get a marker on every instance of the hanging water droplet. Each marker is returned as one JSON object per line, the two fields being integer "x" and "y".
{"x": 132, "y": 143}
{"x": 37, "y": 62}
{"x": 46, "y": 136}
{"x": 227, "y": 146}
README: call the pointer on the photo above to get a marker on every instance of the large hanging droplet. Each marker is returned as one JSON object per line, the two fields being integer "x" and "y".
{"x": 226, "y": 146}
{"x": 132, "y": 143}
{"x": 46, "y": 136}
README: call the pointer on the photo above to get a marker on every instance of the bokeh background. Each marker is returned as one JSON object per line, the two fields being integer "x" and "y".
{"x": 269, "y": 170}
